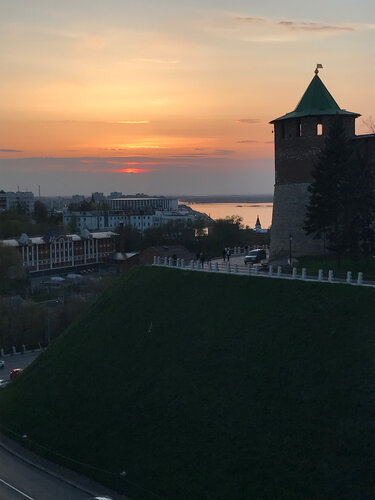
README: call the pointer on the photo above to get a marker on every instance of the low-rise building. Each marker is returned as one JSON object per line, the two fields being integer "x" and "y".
{"x": 144, "y": 204}
{"x": 102, "y": 220}
{"x": 57, "y": 250}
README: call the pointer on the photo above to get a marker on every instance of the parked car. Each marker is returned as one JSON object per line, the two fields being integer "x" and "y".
{"x": 2, "y": 363}
{"x": 15, "y": 373}
{"x": 3, "y": 383}
{"x": 255, "y": 256}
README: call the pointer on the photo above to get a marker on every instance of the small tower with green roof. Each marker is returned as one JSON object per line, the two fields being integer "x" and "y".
{"x": 299, "y": 137}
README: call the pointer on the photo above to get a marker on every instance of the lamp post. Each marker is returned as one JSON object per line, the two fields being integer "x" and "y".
{"x": 290, "y": 250}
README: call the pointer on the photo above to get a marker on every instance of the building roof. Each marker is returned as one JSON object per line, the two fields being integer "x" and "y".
{"x": 40, "y": 240}
{"x": 316, "y": 101}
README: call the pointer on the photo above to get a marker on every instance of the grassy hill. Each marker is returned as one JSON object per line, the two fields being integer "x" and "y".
{"x": 244, "y": 389}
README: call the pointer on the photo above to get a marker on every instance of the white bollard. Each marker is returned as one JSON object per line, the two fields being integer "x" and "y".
{"x": 320, "y": 275}
{"x": 210, "y": 266}
{"x": 256, "y": 270}
{"x": 228, "y": 268}
{"x": 294, "y": 273}
{"x": 349, "y": 277}
{"x": 236, "y": 268}
{"x": 278, "y": 271}
{"x": 217, "y": 267}
{"x": 170, "y": 262}
{"x": 303, "y": 276}
{"x": 182, "y": 262}
{"x": 360, "y": 278}
{"x": 159, "y": 260}
{"x": 330, "y": 276}
{"x": 165, "y": 261}
{"x": 249, "y": 270}
{"x": 155, "y": 260}
{"x": 270, "y": 270}
{"x": 192, "y": 264}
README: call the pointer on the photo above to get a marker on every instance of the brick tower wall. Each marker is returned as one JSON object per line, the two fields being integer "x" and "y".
{"x": 297, "y": 145}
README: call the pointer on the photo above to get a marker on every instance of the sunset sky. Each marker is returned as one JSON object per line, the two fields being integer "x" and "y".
{"x": 167, "y": 97}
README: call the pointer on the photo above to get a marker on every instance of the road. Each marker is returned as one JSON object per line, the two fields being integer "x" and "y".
{"x": 17, "y": 361}
{"x": 21, "y": 481}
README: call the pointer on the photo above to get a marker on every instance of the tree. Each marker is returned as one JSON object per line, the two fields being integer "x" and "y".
{"x": 72, "y": 226}
{"x": 11, "y": 270}
{"x": 83, "y": 206}
{"x": 40, "y": 212}
{"x": 369, "y": 123}
{"x": 341, "y": 209}
{"x": 363, "y": 215}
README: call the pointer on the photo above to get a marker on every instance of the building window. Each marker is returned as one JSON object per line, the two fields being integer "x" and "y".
{"x": 319, "y": 129}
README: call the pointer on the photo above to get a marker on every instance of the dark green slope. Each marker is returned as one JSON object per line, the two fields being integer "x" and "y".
{"x": 245, "y": 388}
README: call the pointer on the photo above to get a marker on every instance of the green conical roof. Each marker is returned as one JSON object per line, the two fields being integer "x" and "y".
{"x": 316, "y": 101}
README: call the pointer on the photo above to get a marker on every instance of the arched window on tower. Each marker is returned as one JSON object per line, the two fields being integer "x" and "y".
{"x": 319, "y": 129}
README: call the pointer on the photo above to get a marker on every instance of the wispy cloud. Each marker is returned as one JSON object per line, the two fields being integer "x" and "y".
{"x": 251, "y": 19}
{"x": 246, "y": 141}
{"x": 268, "y": 30}
{"x": 248, "y": 120}
{"x": 10, "y": 151}
{"x": 225, "y": 151}
{"x": 310, "y": 26}
{"x": 295, "y": 25}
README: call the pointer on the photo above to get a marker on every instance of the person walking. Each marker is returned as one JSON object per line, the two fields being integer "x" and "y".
{"x": 228, "y": 254}
{"x": 201, "y": 258}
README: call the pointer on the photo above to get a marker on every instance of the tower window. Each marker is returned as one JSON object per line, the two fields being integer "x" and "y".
{"x": 319, "y": 129}
{"x": 299, "y": 129}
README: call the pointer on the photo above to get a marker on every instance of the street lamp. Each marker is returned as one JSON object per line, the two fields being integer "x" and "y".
{"x": 290, "y": 250}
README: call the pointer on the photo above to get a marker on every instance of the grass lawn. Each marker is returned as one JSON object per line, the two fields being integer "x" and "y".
{"x": 205, "y": 386}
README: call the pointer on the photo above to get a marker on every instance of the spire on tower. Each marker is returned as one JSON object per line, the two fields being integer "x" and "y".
{"x": 318, "y": 66}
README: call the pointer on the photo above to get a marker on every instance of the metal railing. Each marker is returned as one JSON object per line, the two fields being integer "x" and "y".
{"x": 264, "y": 271}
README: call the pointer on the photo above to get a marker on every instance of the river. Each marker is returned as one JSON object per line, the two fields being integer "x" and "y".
{"x": 248, "y": 211}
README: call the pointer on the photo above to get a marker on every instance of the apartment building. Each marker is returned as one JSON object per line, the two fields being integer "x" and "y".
{"x": 23, "y": 200}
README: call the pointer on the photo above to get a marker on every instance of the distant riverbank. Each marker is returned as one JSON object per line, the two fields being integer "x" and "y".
{"x": 236, "y": 198}
{"x": 248, "y": 211}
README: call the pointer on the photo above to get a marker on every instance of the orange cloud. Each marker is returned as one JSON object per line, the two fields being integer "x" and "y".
{"x": 132, "y": 170}
{"x": 119, "y": 162}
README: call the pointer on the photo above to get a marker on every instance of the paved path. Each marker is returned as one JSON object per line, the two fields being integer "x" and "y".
{"x": 24, "y": 475}
{"x": 19, "y": 480}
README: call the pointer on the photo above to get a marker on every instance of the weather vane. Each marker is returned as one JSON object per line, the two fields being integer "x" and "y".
{"x": 318, "y": 66}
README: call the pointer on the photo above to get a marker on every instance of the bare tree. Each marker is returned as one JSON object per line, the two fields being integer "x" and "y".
{"x": 369, "y": 123}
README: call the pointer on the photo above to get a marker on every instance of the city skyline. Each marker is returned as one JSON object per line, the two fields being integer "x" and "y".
{"x": 167, "y": 98}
